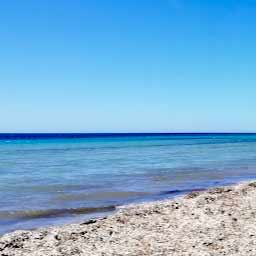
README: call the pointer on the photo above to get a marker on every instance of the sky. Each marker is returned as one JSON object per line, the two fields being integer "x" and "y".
{"x": 128, "y": 66}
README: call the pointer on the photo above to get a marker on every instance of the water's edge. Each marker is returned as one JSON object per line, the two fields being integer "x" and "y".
{"x": 94, "y": 214}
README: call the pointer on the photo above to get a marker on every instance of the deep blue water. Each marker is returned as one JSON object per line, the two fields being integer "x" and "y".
{"x": 58, "y": 178}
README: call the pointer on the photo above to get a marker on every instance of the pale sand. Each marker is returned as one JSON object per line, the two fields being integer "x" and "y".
{"x": 220, "y": 221}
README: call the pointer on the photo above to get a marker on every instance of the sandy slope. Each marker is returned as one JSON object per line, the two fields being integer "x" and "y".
{"x": 219, "y": 221}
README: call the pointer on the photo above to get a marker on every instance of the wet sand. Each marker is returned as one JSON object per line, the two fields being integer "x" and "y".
{"x": 219, "y": 221}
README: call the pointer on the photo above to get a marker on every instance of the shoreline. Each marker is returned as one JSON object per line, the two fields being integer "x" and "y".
{"x": 216, "y": 221}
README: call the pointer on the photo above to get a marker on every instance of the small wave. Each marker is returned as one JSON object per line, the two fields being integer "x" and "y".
{"x": 103, "y": 195}
{"x": 50, "y": 213}
{"x": 181, "y": 191}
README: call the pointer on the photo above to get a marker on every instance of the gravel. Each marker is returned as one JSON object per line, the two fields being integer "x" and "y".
{"x": 219, "y": 221}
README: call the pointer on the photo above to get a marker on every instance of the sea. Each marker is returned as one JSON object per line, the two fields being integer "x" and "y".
{"x": 54, "y": 179}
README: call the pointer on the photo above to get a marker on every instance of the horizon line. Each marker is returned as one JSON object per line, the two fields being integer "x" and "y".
{"x": 85, "y": 133}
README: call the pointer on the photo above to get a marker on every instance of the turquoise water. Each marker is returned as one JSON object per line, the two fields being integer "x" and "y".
{"x": 45, "y": 181}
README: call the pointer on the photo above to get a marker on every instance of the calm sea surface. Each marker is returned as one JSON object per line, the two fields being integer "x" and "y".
{"x": 55, "y": 179}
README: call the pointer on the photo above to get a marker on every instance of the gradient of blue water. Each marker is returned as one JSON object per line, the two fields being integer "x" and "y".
{"x": 57, "y": 173}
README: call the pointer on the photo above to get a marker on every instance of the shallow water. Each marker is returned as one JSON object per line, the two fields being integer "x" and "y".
{"x": 53, "y": 179}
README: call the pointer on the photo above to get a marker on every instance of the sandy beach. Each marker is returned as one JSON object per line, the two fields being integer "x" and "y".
{"x": 219, "y": 221}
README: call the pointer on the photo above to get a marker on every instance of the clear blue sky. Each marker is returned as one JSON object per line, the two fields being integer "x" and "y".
{"x": 128, "y": 66}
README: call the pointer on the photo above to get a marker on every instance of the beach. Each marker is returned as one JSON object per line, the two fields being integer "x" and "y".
{"x": 128, "y": 128}
{"x": 218, "y": 221}
{"x": 57, "y": 179}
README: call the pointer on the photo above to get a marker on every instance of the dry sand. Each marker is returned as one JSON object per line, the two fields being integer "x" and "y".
{"x": 220, "y": 221}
